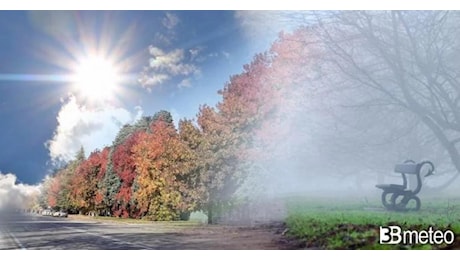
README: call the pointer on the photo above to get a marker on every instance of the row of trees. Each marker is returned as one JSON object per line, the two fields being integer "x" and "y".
{"x": 150, "y": 171}
{"x": 350, "y": 94}
{"x": 155, "y": 171}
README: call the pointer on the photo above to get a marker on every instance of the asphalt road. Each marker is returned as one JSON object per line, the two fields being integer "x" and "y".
{"x": 36, "y": 232}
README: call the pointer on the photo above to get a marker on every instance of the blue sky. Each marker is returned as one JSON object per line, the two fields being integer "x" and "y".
{"x": 189, "y": 56}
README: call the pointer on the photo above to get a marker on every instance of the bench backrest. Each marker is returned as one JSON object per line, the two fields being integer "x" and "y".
{"x": 407, "y": 168}
{"x": 412, "y": 168}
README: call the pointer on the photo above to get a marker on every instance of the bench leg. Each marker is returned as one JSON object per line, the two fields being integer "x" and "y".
{"x": 386, "y": 200}
{"x": 405, "y": 202}
{"x": 400, "y": 200}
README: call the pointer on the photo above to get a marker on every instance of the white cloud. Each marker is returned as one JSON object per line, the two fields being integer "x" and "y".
{"x": 170, "y": 21}
{"x": 185, "y": 83}
{"x": 14, "y": 195}
{"x": 164, "y": 39}
{"x": 218, "y": 54}
{"x": 152, "y": 80}
{"x": 164, "y": 65}
{"x": 194, "y": 52}
{"x": 139, "y": 113}
{"x": 92, "y": 128}
{"x": 171, "y": 62}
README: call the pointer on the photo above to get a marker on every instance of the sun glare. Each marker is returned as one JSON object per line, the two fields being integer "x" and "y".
{"x": 96, "y": 78}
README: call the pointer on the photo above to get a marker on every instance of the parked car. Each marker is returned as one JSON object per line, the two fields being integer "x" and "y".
{"x": 60, "y": 214}
{"x": 63, "y": 214}
{"x": 46, "y": 212}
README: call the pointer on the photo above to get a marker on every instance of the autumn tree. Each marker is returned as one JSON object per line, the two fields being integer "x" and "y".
{"x": 228, "y": 133}
{"x": 86, "y": 182}
{"x": 243, "y": 134}
{"x": 192, "y": 138}
{"x": 109, "y": 186}
{"x": 117, "y": 183}
{"x": 143, "y": 124}
{"x": 163, "y": 164}
{"x": 125, "y": 168}
{"x": 218, "y": 162}
{"x": 59, "y": 189}
{"x": 53, "y": 192}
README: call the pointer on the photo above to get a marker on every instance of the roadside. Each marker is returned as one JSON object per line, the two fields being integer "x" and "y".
{"x": 202, "y": 236}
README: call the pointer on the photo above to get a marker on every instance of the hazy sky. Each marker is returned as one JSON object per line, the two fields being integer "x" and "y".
{"x": 190, "y": 54}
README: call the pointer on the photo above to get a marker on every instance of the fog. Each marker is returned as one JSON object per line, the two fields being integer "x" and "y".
{"x": 383, "y": 92}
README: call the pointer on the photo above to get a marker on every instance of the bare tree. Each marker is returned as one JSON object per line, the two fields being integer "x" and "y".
{"x": 396, "y": 63}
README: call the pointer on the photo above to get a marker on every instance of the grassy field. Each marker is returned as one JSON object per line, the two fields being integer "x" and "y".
{"x": 327, "y": 223}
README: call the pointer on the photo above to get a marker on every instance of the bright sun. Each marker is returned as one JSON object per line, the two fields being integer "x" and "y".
{"x": 96, "y": 78}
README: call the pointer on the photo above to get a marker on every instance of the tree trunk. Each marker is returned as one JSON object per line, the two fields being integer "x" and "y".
{"x": 450, "y": 147}
{"x": 210, "y": 213}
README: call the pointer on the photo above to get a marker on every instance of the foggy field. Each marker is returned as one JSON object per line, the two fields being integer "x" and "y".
{"x": 332, "y": 224}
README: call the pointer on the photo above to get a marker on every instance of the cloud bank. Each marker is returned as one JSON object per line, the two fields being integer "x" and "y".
{"x": 13, "y": 195}
{"x": 93, "y": 128}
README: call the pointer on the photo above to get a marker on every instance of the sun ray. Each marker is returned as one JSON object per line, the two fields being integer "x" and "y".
{"x": 36, "y": 77}
{"x": 94, "y": 60}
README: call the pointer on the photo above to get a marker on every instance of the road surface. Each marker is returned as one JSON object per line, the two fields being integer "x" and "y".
{"x": 36, "y": 232}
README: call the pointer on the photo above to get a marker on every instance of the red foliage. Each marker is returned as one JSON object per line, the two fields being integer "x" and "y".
{"x": 124, "y": 167}
{"x": 84, "y": 183}
{"x": 53, "y": 190}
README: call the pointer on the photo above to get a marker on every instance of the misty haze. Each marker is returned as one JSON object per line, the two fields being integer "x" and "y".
{"x": 228, "y": 130}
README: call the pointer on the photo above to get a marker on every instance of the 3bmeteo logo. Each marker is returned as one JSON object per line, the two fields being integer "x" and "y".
{"x": 393, "y": 235}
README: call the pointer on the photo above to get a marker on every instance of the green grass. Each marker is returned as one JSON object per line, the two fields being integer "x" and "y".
{"x": 354, "y": 224}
